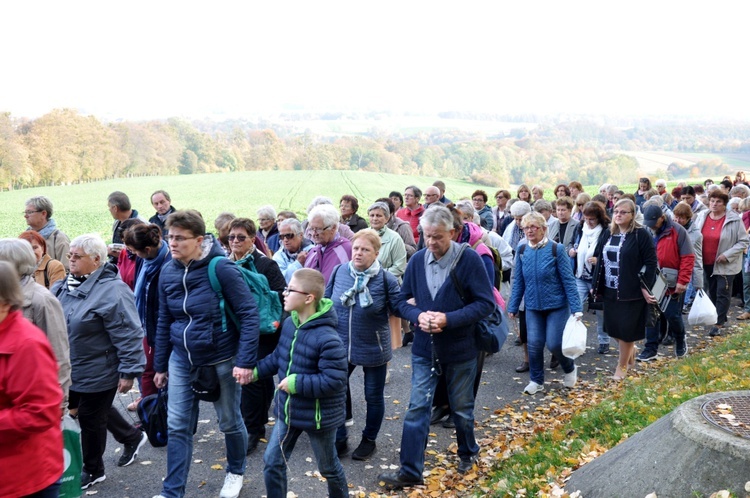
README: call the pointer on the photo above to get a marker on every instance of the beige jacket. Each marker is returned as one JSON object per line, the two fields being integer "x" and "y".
{"x": 53, "y": 269}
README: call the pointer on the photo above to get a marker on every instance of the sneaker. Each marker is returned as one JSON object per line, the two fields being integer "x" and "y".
{"x": 686, "y": 310}
{"x": 88, "y": 480}
{"x": 570, "y": 378}
{"x": 365, "y": 449}
{"x": 533, "y": 388}
{"x": 681, "y": 349}
{"x": 647, "y": 355}
{"x": 466, "y": 464}
{"x": 349, "y": 422}
{"x": 232, "y": 486}
{"x": 397, "y": 480}
{"x": 159, "y": 496}
{"x": 130, "y": 451}
{"x": 603, "y": 349}
{"x": 715, "y": 331}
{"x": 523, "y": 367}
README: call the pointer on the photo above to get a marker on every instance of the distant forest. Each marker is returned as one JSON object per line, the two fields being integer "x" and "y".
{"x": 64, "y": 147}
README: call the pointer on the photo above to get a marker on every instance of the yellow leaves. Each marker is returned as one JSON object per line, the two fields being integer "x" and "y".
{"x": 217, "y": 466}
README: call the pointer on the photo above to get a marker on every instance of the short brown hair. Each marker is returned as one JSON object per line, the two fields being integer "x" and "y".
{"x": 187, "y": 219}
{"x": 480, "y": 192}
{"x": 718, "y": 194}
{"x": 141, "y": 236}
{"x": 351, "y": 200}
{"x": 683, "y": 209}
{"x": 502, "y": 192}
{"x": 565, "y": 201}
{"x": 312, "y": 282}
{"x": 245, "y": 223}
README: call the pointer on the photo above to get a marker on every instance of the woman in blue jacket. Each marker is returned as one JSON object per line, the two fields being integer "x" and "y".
{"x": 189, "y": 335}
{"x": 363, "y": 294}
{"x": 550, "y": 298}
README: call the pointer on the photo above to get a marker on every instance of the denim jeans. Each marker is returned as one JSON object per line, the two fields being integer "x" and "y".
{"x": 546, "y": 326}
{"x": 182, "y": 412}
{"x": 584, "y": 289}
{"x": 460, "y": 380}
{"x": 51, "y": 491}
{"x": 279, "y": 449}
{"x": 675, "y": 325}
{"x": 374, "y": 389}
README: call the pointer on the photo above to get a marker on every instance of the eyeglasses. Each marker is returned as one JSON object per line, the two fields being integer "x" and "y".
{"x": 617, "y": 211}
{"x": 478, "y": 199}
{"x": 287, "y": 236}
{"x": 75, "y": 257}
{"x": 238, "y": 238}
{"x": 319, "y": 230}
{"x": 531, "y": 228}
{"x": 29, "y": 213}
{"x": 179, "y": 238}
{"x": 263, "y": 220}
{"x": 289, "y": 290}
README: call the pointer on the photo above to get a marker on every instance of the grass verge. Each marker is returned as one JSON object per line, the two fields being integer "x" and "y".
{"x": 580, "y": 427}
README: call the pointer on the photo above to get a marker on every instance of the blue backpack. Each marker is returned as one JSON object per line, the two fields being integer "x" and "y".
{"x": 152, "y": 410}
{"x": 267, "y": 301}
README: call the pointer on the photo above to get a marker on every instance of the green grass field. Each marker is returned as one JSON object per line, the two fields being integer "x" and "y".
{"x": 83, "y": 208}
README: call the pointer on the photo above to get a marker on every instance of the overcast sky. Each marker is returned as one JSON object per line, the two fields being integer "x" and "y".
{"x": 152, "y": 59}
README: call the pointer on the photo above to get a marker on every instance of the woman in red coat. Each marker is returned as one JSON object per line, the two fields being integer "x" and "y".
{"x": 31, "y": 448}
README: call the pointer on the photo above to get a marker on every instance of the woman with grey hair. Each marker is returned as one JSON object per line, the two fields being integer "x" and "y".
{"x": 294, "y": 246}
{"x": 331, "y": 249}
{"x": 513, "y": 232}
{"x": 322, "y": 200}
{"x": 39, "y": 306}
{"x": 106, "y": 352}
{"x": 268, "y": 231}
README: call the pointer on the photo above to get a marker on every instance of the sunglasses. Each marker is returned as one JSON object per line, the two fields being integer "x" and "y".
{"x": 238, "y": 238}
{"x": 286, "y": 236}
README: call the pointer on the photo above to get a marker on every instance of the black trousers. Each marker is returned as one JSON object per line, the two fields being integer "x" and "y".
{"x": 720, "y": 292}
{"x": 97, "y": 416}
{"x": 257, "y": 396}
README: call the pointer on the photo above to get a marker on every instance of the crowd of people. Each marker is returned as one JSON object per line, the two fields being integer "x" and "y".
{"x": 167, "y": 303}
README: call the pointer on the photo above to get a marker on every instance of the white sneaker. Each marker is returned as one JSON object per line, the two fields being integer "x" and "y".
{"x": 349, "y": 422}
{"x": 533, "y": 388}
{"x": 159, "y": 496}
{"x": 569, "y": 379}
{"x": 232, "y": 486}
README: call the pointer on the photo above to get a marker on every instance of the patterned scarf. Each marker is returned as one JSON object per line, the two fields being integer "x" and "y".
{"x": 74, "y": 282}
{"x": 361, "y": 278}
{"x": 47, "y": 229}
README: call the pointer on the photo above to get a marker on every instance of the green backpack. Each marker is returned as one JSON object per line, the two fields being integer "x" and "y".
{"x": 267, "y": 301}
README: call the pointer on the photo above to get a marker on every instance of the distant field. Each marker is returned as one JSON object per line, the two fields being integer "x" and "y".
{"x": 83, "y": 208}
{"x": 651, "y": 162}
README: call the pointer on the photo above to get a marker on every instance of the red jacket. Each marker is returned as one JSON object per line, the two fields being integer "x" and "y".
{"x": 31, "y": 448}
{"x": 412, "y": 216}
{"x": 674, "y": 250}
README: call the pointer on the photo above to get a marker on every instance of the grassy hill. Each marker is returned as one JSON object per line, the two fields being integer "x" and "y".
{"x": 83, "y": 208}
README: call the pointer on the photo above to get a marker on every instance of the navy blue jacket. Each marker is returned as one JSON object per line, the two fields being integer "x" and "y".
{"x": 189, "y": 317}
{"x": 314, "y": 359}
{"x": 365, "y": 332}
{"x": 457, "y": 342}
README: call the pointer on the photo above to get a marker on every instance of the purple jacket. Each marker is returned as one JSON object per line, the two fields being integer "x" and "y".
{"x": 337, "y": 252}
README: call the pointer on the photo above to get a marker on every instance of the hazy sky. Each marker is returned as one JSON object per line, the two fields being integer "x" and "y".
{"x": 149, "y": 59}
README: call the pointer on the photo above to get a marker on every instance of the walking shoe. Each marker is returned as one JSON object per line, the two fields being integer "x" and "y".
{"x": 647, "y": 355}
{"x": 744, "y": 316}
{"x": 715, "y": 331}
{"x": 88, "y": 480}
{"x": 603, "y": 349}
{"x": 397, "y": 480}
{"x": 253, "y": 439}
{"x": 130, "y": 451}
{"x": 553, "y": 362}
{"x": 518, "y": 342}
{"x": 342, "y": 447}
{"x": 681, "y": 349}
{"x": 466, "y": 464}
{"x": 570, "y": 378}
{"x": 533, "y": 388}
{"x": 668, "y": 340}
{"x": 232, "y": 486}
{"x": 523, "y": 367}
{"x": 365, "y": 449}
{"x": 349, "y": 422}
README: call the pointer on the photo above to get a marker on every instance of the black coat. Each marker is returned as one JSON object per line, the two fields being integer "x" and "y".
{"x": 637, "y": 251}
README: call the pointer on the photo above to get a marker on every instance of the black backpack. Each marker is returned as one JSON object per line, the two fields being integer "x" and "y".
{"x": 152, "y": 410}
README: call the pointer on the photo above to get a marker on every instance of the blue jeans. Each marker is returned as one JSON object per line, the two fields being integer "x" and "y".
{"x": 460, "y": 380}
{"x": 51, "y": 491}
{"x": 279, "y": 449}
{"x": 584, "y": 289}
{"x": 374, "y": 388}
{"x": 546, "y": 326}
{"x": 182, "y": 412}
{"x": 675, "y": 325}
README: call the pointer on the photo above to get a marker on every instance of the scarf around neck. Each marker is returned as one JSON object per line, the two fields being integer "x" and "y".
{"x": 149, "y": 268}
{"x": 47, "y": 229}
{"x": 361, "y": 278}
{"x": 586, "y": 249}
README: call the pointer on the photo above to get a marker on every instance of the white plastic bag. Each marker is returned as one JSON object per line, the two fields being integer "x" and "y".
{"x": 574, "y": 338}
{"x": 703, "y": 311}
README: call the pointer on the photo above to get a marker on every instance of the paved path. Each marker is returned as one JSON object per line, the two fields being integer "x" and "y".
{"x": 501, "y": 385}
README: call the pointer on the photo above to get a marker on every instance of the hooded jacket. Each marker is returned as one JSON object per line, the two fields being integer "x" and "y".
{"x": 312, "y": 356}
{"x": 732, "y": 243}
{"x": 104, "y": 331}
{"x": 190, "y": 322}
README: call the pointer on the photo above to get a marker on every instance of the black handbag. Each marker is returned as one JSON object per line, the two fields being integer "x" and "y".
{"x": 204, "y": 381}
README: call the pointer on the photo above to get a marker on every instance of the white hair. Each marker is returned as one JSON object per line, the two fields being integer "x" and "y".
{"x": 92, "y": 244}
{"x": 325, "y": 212}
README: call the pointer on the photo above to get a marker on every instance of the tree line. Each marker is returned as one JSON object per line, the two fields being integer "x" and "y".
{"x": 65, "y": 147}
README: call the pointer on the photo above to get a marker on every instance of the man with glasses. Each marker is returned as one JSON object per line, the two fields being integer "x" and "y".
{"x": 38, "y": 214}
{"x": 412, "y": 210}
{"x": 431, "y": 196}
{"x": 292, "y": 254}
{"x": 331, "y": 249}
